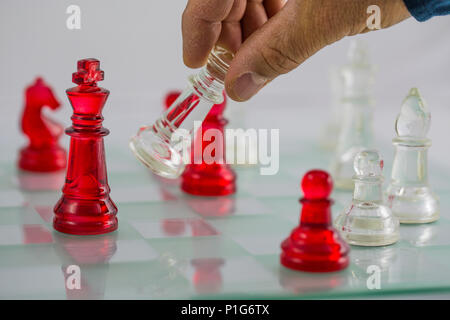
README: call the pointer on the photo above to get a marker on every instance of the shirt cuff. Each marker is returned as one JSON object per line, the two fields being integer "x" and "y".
{"x": 421, "y": 10}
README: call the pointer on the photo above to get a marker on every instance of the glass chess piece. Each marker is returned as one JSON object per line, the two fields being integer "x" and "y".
{"x": 155, "y": 145}
{"x": 409, "y": 195}
{"x": 330, "y": 134}
{"x": 356, "y": 131}
{"x": 367, "y": 221}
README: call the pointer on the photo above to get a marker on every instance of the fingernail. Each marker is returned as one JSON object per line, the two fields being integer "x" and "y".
{"x": 248, "y": 84}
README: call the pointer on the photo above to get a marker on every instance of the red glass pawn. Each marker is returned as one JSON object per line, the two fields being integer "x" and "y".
{"x": 43, "y": 153}
{"x": 217, "y": 178}
{"x": 85, "y": 207}
{"x": 315, "y": 245}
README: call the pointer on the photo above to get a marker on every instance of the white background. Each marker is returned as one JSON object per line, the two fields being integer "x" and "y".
{"x": 139, "y": 45}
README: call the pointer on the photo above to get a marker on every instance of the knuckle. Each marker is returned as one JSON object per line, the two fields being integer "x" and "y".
{"x": 279, "y": 60}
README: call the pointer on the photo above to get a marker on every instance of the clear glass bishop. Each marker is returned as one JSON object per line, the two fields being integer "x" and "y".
{"x": 409, "y": 195}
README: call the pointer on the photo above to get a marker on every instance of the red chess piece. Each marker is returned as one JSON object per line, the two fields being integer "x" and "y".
{"x": 43, "y": 154}
{"x": 85, "y": 207}
{"x": 315, "y": 245}
{"x": 170, "y": 98}
{"x": 217, "y": 178}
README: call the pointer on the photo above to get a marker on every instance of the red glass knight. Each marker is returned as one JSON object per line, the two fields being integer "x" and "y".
{"x": 43, "y": 153}
{"x": 85, "y": 207}
{"x": 210, "y": 179}
{"x": 315, "y": 245}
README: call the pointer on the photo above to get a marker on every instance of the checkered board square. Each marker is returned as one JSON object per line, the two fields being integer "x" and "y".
{"x": 172, "y": 245}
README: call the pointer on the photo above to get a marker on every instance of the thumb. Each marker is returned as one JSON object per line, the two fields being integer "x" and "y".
{"x": 294, "y": 34}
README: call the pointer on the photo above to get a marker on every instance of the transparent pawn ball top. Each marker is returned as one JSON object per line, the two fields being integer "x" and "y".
{"x": 368, "y": 163}
{"x": 160, "y": 146}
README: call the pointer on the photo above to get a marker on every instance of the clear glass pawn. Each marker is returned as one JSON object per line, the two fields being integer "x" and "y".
{"x": 357, "y": 104}
{"x": 367, "y": 221}
{"x": 408, "y": 195}
{"x": 156, "y": 146}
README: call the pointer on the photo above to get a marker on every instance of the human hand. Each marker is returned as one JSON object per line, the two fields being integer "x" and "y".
{"x": 269, "y": 38}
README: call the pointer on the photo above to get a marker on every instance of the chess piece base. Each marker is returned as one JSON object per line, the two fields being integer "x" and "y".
{"x": 368, "y": 225}
{"x": 315, "y": 257}
{"x": 413, "y": 205}
{"x": 370, "y": 240}
{"x": 217, "y": 183}
{"x": 85, "y": 217}
{"x": 48, "y": 159}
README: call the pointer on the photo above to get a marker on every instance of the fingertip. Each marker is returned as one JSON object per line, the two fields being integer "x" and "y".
{"x": 192, "y": 63}
{"x": 245, "y": 86}
{"x": 193, "y": 57}
{"x": 231, "y": 94}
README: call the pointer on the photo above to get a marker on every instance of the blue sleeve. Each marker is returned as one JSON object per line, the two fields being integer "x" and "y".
{"x": 425, "y": 9}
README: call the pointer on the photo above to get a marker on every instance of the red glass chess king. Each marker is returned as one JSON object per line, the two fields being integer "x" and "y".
{"x": 43, "y": 154}
{"x": 217, "y": 178}
{"x": 315, "y": 245}
{"x": 85, "y": 207}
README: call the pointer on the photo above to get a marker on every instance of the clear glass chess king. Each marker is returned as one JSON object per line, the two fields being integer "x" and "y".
{"x": 156, "y": 146}
{"x": 367, "y": 221}
{"x": 330, "y": 134}
{"x": 356, "y": 132}
{"x": 408, "y": 194}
